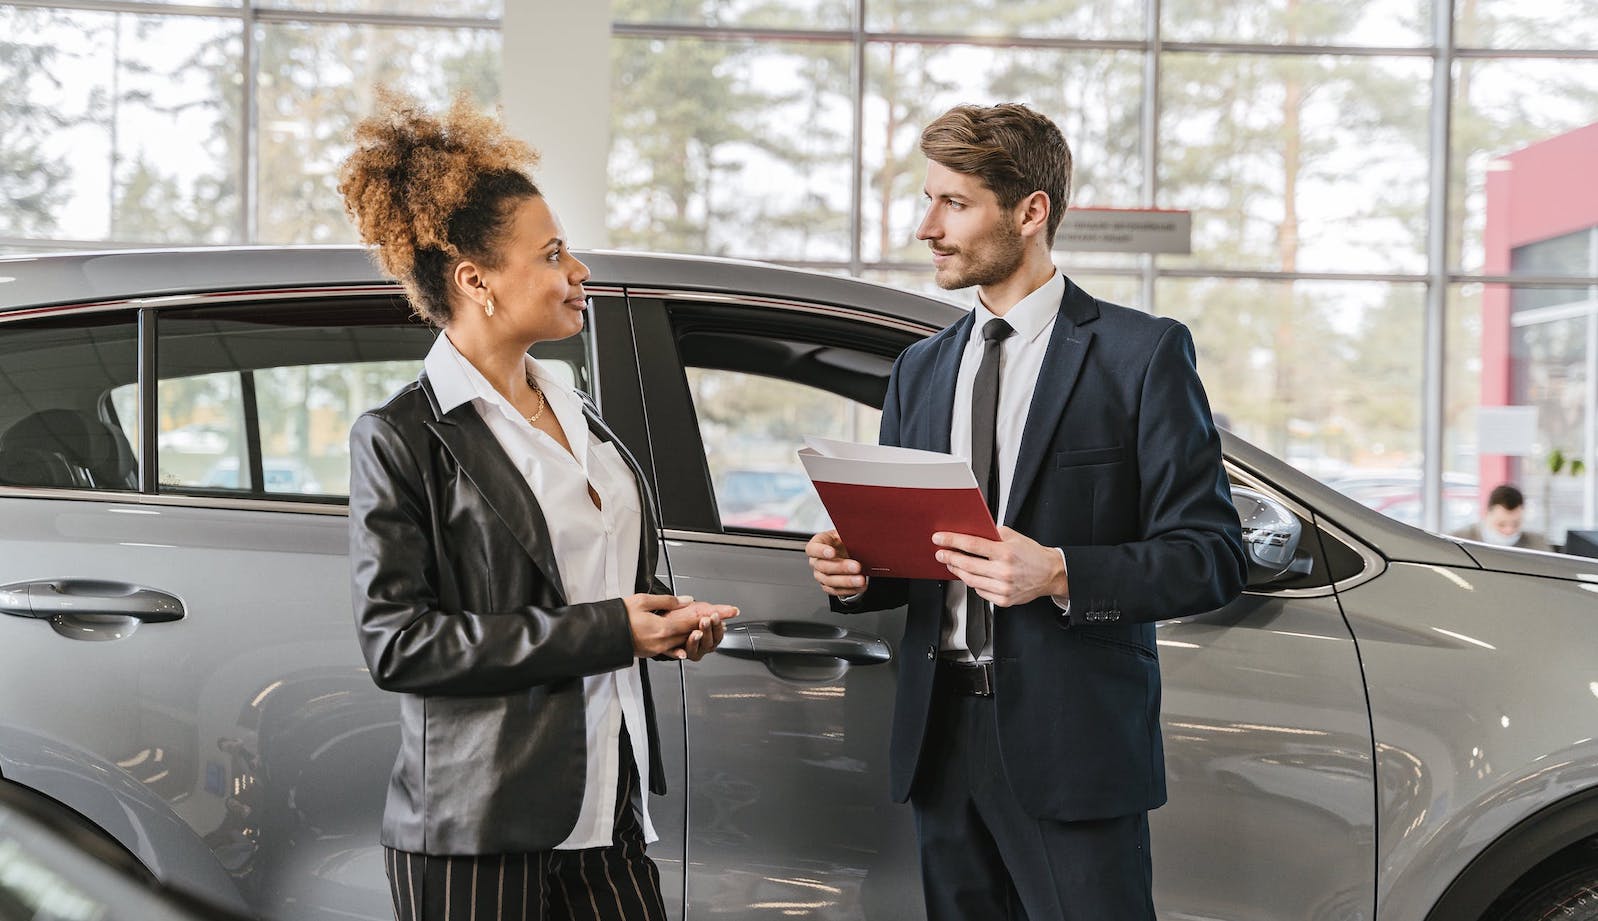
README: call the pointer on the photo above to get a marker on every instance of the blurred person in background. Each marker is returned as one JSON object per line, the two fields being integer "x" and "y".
{"x": 1502, "y": 525}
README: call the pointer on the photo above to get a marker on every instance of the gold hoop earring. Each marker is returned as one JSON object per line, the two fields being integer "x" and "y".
{"x": 488, "y": 307}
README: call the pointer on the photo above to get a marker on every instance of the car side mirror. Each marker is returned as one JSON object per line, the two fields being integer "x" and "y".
{"x": 1271, "y": 535}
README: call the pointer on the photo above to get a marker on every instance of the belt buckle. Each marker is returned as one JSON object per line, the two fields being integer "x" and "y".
{"x": 982, "y": 679}
{"x": 973, "y": 679}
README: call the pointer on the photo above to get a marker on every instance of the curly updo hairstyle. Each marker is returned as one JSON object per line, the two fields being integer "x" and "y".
{"x": 429, "y": 191}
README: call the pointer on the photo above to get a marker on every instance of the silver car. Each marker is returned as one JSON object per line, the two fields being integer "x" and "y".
{"x": 52, "y": 868}
{"x": 1388, "y": 724}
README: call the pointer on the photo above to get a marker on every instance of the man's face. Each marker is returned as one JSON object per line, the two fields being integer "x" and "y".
{"x": 973, "y": 240}
{"x": 1503, "y": 520}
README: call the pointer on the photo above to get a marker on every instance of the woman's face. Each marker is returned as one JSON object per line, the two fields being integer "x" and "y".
{"x": 538, "y": 287}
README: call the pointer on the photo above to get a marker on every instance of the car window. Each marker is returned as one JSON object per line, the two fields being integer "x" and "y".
{"x": 754, "y": 381}
{"x": 258, "y": 399}
{"x": 752, "y": 425}
{"x": 59, "y": 427}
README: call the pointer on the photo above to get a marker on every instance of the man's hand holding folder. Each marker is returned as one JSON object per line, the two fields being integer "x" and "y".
{"x": 906, "y": 513}
{"x": 886, "y": 503}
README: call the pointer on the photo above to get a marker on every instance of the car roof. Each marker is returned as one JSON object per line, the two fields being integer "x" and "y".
{"x": 67, "y": 278}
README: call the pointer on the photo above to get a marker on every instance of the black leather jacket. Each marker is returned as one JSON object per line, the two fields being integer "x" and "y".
{"x": 460, "y": 609}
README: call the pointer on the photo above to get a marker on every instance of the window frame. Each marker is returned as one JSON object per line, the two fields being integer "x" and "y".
{"x": 641, "y": 390}
{"x": 689, "y": 508}
{"x": 103, "y": 409}
{"x": 252, "y": 469}
{"x": 146, "y": 450}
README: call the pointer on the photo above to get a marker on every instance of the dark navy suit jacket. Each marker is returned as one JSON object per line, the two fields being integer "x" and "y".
{"x": 1120, "y": 466}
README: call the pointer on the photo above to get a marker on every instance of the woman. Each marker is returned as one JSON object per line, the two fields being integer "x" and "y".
{"x": 503, "y": 553}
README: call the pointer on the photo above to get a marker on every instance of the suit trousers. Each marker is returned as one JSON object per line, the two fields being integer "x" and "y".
{"x": 983, "y": 856}
{"x": 615, "y": 883}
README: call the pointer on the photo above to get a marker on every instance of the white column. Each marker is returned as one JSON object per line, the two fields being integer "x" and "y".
{"x": 555, "y": 87}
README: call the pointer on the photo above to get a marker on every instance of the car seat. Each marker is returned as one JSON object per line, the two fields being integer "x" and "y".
{"x": 66, "y": 448}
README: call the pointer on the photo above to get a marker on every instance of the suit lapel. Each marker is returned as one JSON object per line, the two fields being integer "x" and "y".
{"x": 1062, "y": 363}
{"x": 945, "y": 369}
{"x": 467, "y": 438}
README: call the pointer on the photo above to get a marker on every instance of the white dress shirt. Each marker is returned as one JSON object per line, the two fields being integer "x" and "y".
{"x": 597, "y": 550}
{"x": 1020, "y": 359}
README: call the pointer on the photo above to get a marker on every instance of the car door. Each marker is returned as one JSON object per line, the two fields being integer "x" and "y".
{"x": 72, "y": 559}
{"x": 1268, "y": 747}
{"x": 788, "y": 810}
{"x": 244, "y": 729}
{"x": 1267, "y": 732}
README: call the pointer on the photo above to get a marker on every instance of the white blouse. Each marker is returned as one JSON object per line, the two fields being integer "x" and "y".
{"x": 597, "y": 550}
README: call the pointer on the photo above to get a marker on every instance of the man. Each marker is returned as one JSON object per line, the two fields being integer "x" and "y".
{"x": 1026, "y": 734}
{"x": 1506, "y": 510}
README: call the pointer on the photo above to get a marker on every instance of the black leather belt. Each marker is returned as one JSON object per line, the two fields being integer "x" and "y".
{"x": 974, "y": 679}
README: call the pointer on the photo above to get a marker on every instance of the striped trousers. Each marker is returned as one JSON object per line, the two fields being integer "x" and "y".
{"x": 616, "y": 883}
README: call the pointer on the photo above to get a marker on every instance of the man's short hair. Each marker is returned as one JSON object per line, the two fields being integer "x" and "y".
{"x": 1506, "y": 496}
{"x": 1012, "y": 149}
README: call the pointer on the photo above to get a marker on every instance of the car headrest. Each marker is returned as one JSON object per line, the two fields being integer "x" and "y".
{"x": 79, "y": 440}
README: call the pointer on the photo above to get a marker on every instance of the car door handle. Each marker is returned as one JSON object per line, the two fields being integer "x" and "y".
{"x": 49, "y": 598}
{"x": 781, "y": 639}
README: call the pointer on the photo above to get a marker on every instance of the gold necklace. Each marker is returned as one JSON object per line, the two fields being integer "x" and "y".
{"x": 542, "y": 403}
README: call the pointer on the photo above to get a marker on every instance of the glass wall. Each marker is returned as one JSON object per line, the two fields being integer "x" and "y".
{"x": 144, "y": 122}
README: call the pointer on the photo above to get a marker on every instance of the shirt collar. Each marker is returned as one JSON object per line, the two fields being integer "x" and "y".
{"x": 456, "y": 381}
{"x": 1031, "y": 315}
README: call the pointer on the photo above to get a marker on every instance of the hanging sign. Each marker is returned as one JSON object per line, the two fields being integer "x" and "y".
{"x": 1125, "y": 230}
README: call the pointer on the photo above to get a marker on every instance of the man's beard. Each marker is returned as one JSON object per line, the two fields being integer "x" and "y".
{"x": 989, "y": 262}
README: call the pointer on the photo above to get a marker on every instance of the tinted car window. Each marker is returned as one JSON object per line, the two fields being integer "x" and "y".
{"x": 751, "y": 426}
{"x": 58, "y": 426}
{"x": 1342, "y": 561}
{"x": 836, "y": 365}
{"x": 749, "y": 383}
{"x": 259, "y": 399}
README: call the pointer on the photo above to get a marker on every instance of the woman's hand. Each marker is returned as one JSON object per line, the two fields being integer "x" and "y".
{"x": 703, "y": 641}
{"x": 675, "y": 625}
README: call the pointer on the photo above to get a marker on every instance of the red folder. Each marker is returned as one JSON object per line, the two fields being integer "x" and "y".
{"x": 888, "y": 502}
